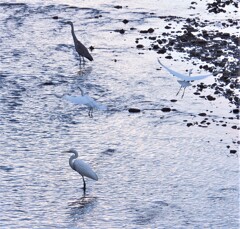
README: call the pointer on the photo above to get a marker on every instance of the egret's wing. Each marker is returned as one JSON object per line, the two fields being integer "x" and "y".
{"x": 102, "y": 107}
{"x": 177, "y": 74}
{"x": 93, "y": 103}
{"x": 84, "y": 169}
{"x": 200, "y": 77}
{"x": 76, "y": 99}
{"x": 184, "y": 77}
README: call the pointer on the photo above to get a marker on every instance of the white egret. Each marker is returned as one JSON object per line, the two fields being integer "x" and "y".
{"x": 85, "y": 99}
{"x": 185, "y": 79}
{"x": 81, "y": 167}
{"x": 80, "y": 48}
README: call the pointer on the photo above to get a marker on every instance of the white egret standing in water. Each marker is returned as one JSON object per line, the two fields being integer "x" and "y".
{"x": 80, "y": 48}
{"x": 81, "y": 167}
{"x": 185, "y": 79}
{"x": 85, "y": 99}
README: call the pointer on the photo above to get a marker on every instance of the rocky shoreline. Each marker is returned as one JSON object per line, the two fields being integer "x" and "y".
{"x": 218, "y": 50}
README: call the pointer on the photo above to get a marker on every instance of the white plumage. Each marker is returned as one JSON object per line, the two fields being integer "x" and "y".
{"x": 86, "y": 100}
{"x": 81, "y": 167}
{"x": 185, "y": 79}
{"x": 84, "y": 169}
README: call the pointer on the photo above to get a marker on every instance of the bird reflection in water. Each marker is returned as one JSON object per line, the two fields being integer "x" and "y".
{"x": 84, "y": 71}
{"x": 84, "y": 205}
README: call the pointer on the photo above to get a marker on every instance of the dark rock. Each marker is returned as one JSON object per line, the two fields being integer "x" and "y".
{"x": 202, "y": 114}
{"x": 167, "y": 27}
{"x": 162, "y": 51}
{"x": 91, "y": 48}
{"x": 152, "y": 38}
{"x": 150, "y": 30}
{"x": 168, "y": 57}
{"x": 55, "y": 17}
{"x": 189, "y": 124}
{"x": 134, "y": 110}
{"x": 125, "y": 21}
{"x": 235, "y": 111}
{"x": 155, "y": 47}
{"x": 122, "y": 31}
{"x": 140, "y": 46}
{"x": 210, "y": 98}
{"x": 118, "y": 7}
{"x": 98, "y": 16}
{"x": 173, "y": 100}
{"x": 196, "y": 93}
{"x": 233, "y": 151}
{"x": 166, "y": 109}
{"x": 143, "y": 31}
{"x": 109, "y": 152}
{"x": 48, "y": 83}
{"x": 234, "y": 127}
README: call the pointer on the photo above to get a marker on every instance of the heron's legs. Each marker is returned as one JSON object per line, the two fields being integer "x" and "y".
{"x": 80, "y": 61}
{"x": 179, "y": 90}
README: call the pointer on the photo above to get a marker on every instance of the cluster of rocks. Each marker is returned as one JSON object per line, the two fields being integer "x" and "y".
{"x": 218, "y": 50}
{"x": 218, "y": 6}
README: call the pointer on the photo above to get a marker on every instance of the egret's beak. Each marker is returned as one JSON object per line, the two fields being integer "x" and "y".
{"x": 66, "y": 151}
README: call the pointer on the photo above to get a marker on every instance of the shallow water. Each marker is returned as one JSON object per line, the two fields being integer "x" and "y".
{"x": 154, "y": 171}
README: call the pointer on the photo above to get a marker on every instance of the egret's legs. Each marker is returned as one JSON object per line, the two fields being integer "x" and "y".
{"x": 179, "y": 90}
{"x": 183, "y": 91}
{"x": 84, "y": 184}
{"x": 90, "y": 112}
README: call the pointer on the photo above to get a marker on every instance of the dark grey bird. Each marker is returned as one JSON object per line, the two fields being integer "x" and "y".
{"x": 80, "y": 48}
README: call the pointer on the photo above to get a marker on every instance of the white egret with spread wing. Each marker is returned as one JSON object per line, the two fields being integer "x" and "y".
{"x": 185, "y": 79}
{"x": 80, "y": 48}
{"x": 81, "y": 167}
{"x": 85, "y": 99}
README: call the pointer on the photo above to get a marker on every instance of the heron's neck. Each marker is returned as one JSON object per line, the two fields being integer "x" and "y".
{"x": 73, "y": 33}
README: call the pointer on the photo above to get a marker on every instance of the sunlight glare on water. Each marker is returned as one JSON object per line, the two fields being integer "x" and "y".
{"x": 154, "y": 171}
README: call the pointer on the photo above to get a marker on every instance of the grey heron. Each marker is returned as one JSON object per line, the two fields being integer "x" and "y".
{"x": 80, "y": 48}
{"x": 185, "y": 79}
{"x": 81, "y": 167}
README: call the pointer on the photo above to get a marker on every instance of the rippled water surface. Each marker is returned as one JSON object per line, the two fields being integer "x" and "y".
{"x": 154, "y": 171}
